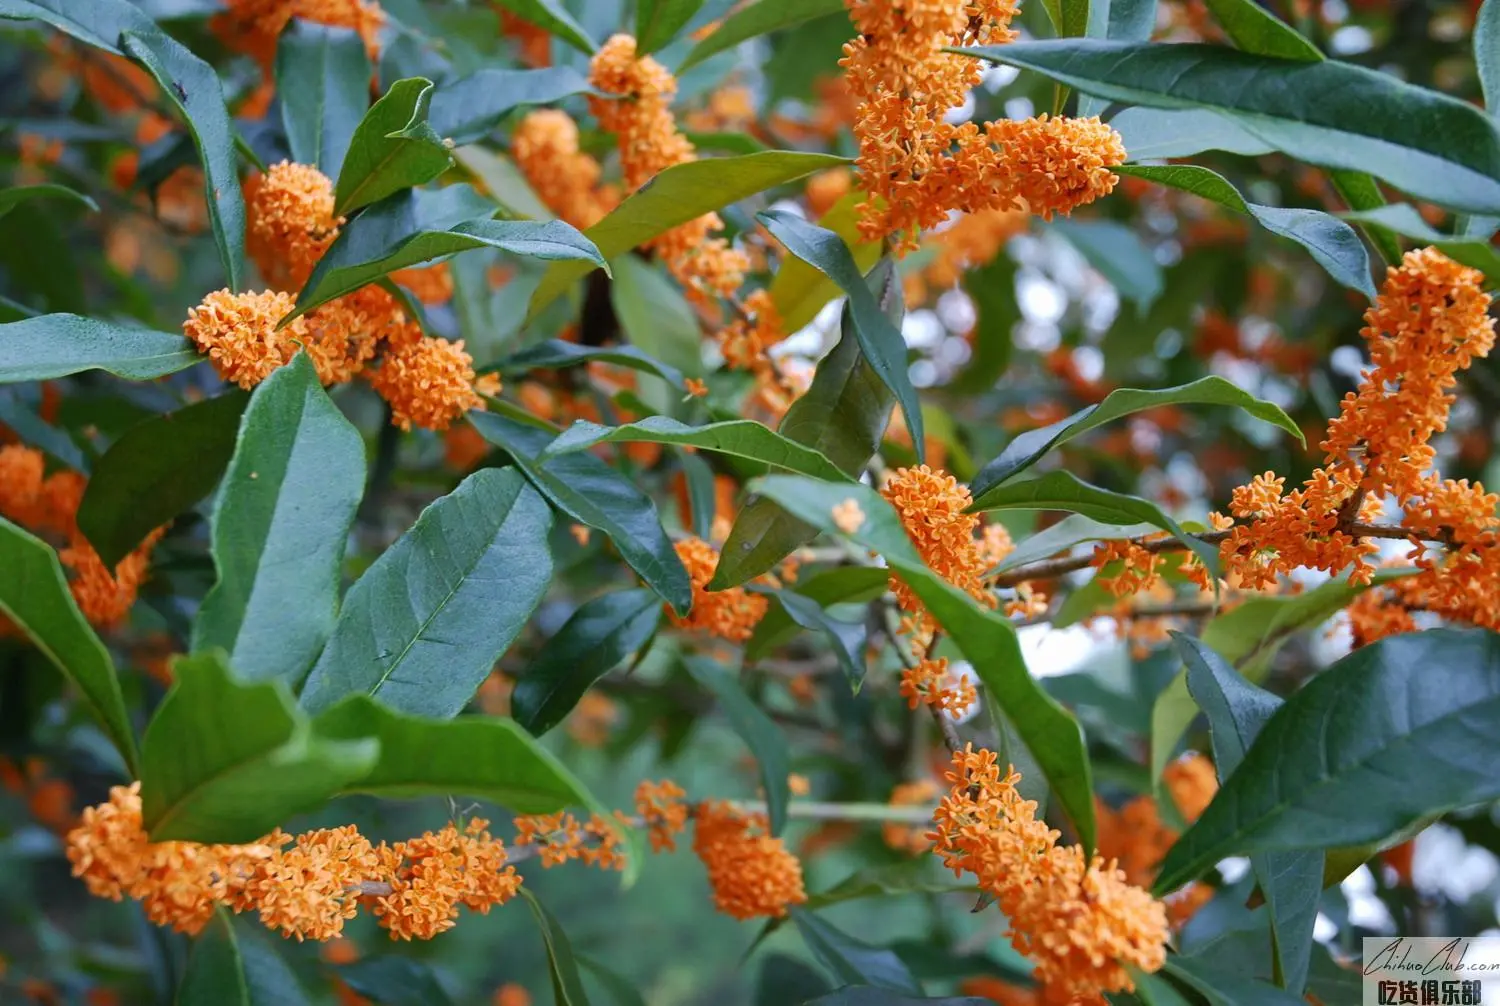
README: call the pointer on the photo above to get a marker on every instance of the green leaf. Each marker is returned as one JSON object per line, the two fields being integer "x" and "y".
{"x": 843, "y": 416}
{"x": 468, "y": 108}
{"x": 1062, "y": 490}
{"x": 847, "y": 638}
{"x": 1074, "y": 529}
{"x": 422, "y": 628}
{"x": 655, "y": 316}
{"x": 224, "y": 761}
{"x": 1119, "y": 256}
{"x": 986, "y": 639}
{"x": 100, "y": 23}
{"x": 846, "y": 584}
{"x": 679, "y": 194}
{"x": 1403, "y": 219}
{"x": 852, "y": 961}
{"x": 1399, "y": 729}
{"x": 1332, "y": 243}
{"x": 1126, "y": 20}
{"x": 725, "y": 143}
{"x": 1255, "y": 29}
{"x": 1361, "y": 192}
{"x": 909, "y": 876}
{"x": 882, "y": 343}
{"x": 1029, "y": 448}
{"x": 422, "y": 225}
{"x": 799, "y": 290}
{"x": 759, "y": 18}
{"x": 567, "y": 983}
{"x": 762, "y": 736}
{"x": 1150, "y": 133}
{"x": 1487, "y": 54}
{"x": 597, "y": 496}
{"x": 475, "y": 756}
{"x": 1329, "y": 113}
{"x": 657, "y": 22}
{"x": 270, "y": 980}
{"x": 618, "y": 986}
{"x": 599, "y": 636}
{"x": 1290, "y": 881}
{"x": 279, "y": 528}
{"x": 1248, "y": 636}
{"x": 59, "y": 345}
{"x": 395, "y": 981}
{"x": 215, "y": 971}
{"x": 741, "y": 438}
{"x": 551, "y": 15}
{"x": 323, "y": 81}
{"x": 193, "y": 88}
{"x": 557, "y": 354}
{"x": 393, "y": 148}
{"x": 502, "y": 180}
{"x": 34, "y": 595}
{"x": 992, "y": 289}
{"x": 17, "y": 194}
{"x": 158, "y": 469}
{"x": 868, "y": 995}
{"x": 1222, "y": 989}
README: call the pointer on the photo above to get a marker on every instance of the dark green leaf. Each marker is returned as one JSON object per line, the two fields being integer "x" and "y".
{"x": 868, "y": 995}
{"x": 758, "y": 19}
{"x": 882, "y": 343}
{"x": 215, "y": 972}
{"x": 323, "y": 81}
{"x": 1118, "y": 254}
{"x": 657, "y": 22}
{"x": 394, "y": 981}
{"x": 1328, "y": 113}
{"x": 1487, "y": 54}
{"x": 1361, "y": 192}
{"x": 846, "y": 584}
{"x": 599, "y": 497}
{"x": 227, "y": 762}
{"x": 1028, "y": 448}
{"x": 422, "y": 628}
{"x": 100, "y": 23}
{"x": 847, "y": 638}
{"x": 799, "y": 290}
{"x": 1332, "y": 243}
{"x": 279, "y": 528}
{"x": 393, "y": 148}
{"x": 567, "y": 983}
{"x": 1074, "y": 529}
{"x": 57, "y": 345}
{"x": 843, "y": 415}
{"x": 1227, "y": 989}
{"x": 1403, "y": 219}
{"x": 852, "y": 961}
{"x": 725, "y": 143}
{"x": 763, "y": 737}
{"x": 910, "y": 876}
{"x": 655, "y": 316}
{"x": 551, "y": 15}
{"x": 16, "y": 194}
{"x": 476, "y": 756}
{"x": 1399, "y": 729}
{"x": 420, "y": 226}
{"x": 599, "y": 636}
{"x": 1062, "y": 490}
{"x": 269, "y": 979}
{"x": 556, "y": 354}
{"x": 1125, "y": 20}
{"x": 193, "y": 88}
{"x": 34, "y": 595}
{"x": 1290, "y": 881}
{"x": 742, "y": 438}
{"x": 617, "y": 985}
{"x": 466, "y": 109}
{"x": 677, "y": 195}
{"x": 1255, "y": 29}
{"x": 1151, "y": 133}
{"x": 698, "y": 477}
{"x": 157, "y": 470}
{"x": 986, "y": 639}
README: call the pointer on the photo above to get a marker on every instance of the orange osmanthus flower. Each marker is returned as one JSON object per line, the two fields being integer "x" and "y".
{"x": 429, "y": 382}
{"x": 752, "y": 873}
{"x": 662, "y": 811}
{"x": 930, "y": 683}
{"x": 289, "y": 222}
{"x": 254, "y": 26}
{"x": 729, "y": 614}
{"x": 545, "y": 148}
{"x": 1078, "y": 920}
{"x": 932, "y": 505}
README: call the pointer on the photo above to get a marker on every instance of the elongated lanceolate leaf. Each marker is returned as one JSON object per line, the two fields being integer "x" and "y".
{"x": 58, "y": 345}
{"x": 742, "y": 438}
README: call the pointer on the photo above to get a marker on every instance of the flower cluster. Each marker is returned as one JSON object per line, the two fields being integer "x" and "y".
{"x": 254, "y": 26}
{"x": 751, "y": 872}
{"x": 545, "y": 148}
{"x": 931, "y": 683}
{"x": 915, "y": 166}
{"x": 1080, "y": 921}
{"x": 904, "y": 837}
{"x": 1429, "y": 322}
{"x": 427, "y": 381}
{"x": 48, "y": 505}
{"x": 561, "y": 837}
{"x": 729, "y": 614}
{"x": 305, "y": 887}
{"x": 662, "y": 812}
{"x": 638, "y": 111}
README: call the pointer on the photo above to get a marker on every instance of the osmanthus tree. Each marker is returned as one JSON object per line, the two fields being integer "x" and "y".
{"x": 386, "y": 387}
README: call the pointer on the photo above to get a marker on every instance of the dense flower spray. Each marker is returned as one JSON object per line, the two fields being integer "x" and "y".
{"x": 729, "y": 614}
